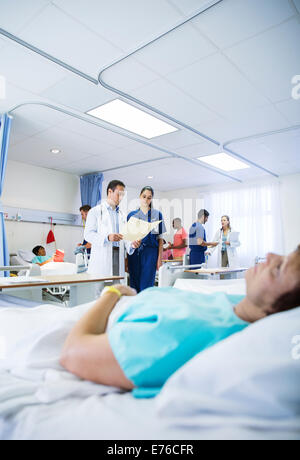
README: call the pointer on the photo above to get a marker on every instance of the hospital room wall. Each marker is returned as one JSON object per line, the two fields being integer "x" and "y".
{"x": 194, "y": 197}
{"x": 32, "y": 187}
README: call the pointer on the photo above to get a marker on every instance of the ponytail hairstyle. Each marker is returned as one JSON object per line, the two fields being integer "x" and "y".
{"x": 150, "y": 189}
{"x": 228, "y": 218}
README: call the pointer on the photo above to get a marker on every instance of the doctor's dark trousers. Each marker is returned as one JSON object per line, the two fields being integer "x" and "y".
{"x": 142, "y": 268}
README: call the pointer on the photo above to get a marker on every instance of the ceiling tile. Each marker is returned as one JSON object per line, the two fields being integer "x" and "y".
{"x": 172, "y": 101}
{"x": 22, "y": 128}
{"x": 179, "y": 48}
{"x": 175, "y": 140}
{"x": 233, "y": 21}
{"x": 278, "y": 153}
{"x": 16, "y": 13}
{"x": 201, "y": 149}
{"x": 76, "y": 93}
{"x": 252, "y": 122}
{"x": 144, "y": 20}
{"x": 128, "y": 75}
{"x": 28, "y": 70}
{"x": 56, "y": 138}
{"x": 215, "y": 82}
{"x": 189, "y": 7}
{"x": 40, "y": 113}
{"x": 36, "y": 150}
{"x": 15, "y": 96}
{"x": 271, "y": 60}
{"x": 112, "y": 159}
{"x": 96, "y": 133}
{"x": 184, "y": 175}
{"x": 79, "y": 47}
{"x": 290, "y": 109}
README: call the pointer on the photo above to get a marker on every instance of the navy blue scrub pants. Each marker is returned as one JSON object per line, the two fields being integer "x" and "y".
{"x": 142, "y": 268}
{"x": 197, "y": 257}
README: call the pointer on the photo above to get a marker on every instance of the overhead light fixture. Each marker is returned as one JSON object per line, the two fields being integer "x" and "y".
{"x": 132, "y": 119}
{"x": 150, "y": 177}
{"x": 224, "y": 162}
{"x": 55, "y": 151}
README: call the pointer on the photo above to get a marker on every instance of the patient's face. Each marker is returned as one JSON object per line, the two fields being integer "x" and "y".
{"x": 42, "y": 252}
{"x": 268, "y": 281}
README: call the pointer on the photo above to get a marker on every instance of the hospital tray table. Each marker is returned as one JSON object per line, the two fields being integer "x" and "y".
{"x": 217, "y": 273}
{"x": 80, "y": 287}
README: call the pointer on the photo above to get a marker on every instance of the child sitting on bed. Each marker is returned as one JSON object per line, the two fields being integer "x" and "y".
{"x": 41, "y": 258}
{"x": 163, "y": 328}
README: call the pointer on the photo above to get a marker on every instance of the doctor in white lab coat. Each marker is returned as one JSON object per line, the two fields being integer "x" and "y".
{"x": 102, "y": 230}
{"x": 227, "y": 253}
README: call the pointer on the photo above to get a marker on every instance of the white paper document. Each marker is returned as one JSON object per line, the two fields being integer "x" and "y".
{"x": 137, "y": 229}
{"x": 234, "y": 237}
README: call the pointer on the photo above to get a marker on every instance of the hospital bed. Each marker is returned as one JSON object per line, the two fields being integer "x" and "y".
{"x": 39, "y": 400}
{"x": 58, "y": 293}
{"x": 169, "y": 273}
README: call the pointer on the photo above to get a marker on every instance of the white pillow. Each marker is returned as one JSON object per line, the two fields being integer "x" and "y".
{"x": 255, "y": 373}
{"x": 27, "y": 256}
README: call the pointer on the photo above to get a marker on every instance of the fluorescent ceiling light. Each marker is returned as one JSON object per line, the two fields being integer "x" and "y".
{"x": 128, "y": 117}
{"x": 224, "y": 162}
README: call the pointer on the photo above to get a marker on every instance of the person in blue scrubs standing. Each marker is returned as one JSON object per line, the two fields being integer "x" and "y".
{"x": 144, "y": 262}
{"x": 197, "y": 239}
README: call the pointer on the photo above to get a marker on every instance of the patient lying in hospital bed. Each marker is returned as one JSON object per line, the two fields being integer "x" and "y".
{"x": 41, "y": 258}
{"x": 25, "y": 257}
{"x": 163, "y": 329}
{"x": 229, "y": 385}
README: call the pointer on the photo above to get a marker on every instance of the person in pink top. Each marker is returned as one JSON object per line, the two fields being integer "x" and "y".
{"x": 180, "y": 240}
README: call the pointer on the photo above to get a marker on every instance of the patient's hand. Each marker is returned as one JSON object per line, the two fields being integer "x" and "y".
{"x": 125, "y": 290}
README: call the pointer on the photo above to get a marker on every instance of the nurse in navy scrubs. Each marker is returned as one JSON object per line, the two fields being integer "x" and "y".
{"x": 144, "y": 262}
{"x": 197, "y": 239}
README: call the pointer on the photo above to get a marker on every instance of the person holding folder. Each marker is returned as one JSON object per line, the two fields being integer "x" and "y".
{"x": 228, "y": 242}
{"x": 144, "y": 262}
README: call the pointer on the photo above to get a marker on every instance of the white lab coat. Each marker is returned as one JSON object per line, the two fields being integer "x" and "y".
{"x": 231, "y": 250}
{"x": 98, "y": 227}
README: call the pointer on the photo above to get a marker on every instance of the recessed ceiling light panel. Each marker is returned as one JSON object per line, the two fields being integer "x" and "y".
{"x": 132, "y": 119}
{"x": 224, "y": 162}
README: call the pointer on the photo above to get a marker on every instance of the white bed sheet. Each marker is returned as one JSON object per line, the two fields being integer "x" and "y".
{"x": 11, "y": 301}
{"x": 38, "y": 400}
{"x": 120, "y": 416}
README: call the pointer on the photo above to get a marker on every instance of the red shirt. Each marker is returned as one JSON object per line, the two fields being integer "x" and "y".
{"x": 179, "y": 238}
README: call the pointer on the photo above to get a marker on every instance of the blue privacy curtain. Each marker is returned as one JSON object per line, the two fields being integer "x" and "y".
{"x": 5, "y": 125}
{"x": 90, "y": 188}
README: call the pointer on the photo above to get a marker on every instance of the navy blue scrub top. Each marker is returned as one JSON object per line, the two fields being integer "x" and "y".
{"x": 151, "y": 240}
{"x": 197, "y": 231}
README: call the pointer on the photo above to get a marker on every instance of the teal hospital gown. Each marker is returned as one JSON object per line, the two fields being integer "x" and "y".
{"x": 164, "y": 328}
{"x": 40, "y": 259}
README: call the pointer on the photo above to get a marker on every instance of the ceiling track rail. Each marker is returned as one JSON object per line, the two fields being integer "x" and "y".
{"x": 48, "y": 56}
{"x": 99, "y": 125}
{"x": 146, "y": 106}
{"x": 261, "y": 135}
{"x": 209, "y": 5}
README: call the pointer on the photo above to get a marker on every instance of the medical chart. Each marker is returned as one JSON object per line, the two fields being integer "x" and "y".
{"x": 137, "y": 229}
